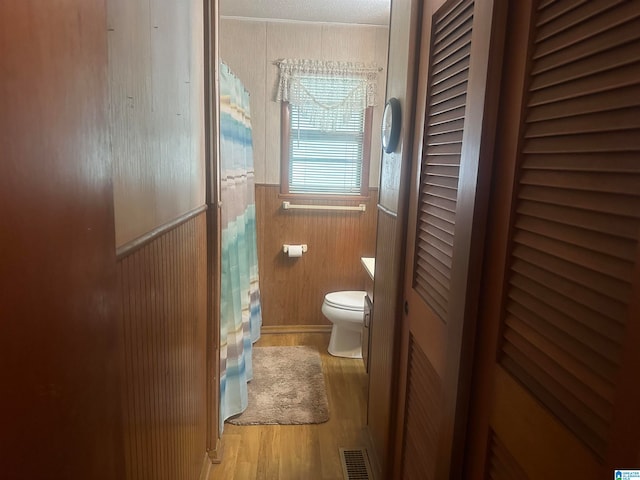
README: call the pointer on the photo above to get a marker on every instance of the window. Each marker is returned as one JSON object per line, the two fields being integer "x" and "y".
{"x": 326, "y": 132}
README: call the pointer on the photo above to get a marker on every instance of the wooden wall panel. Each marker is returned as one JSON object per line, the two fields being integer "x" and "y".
{"x": 156, "y": 83}
{"x": 163, "y": 328}
{"x": 383, "y": 335}
{"x": 392, "y": 212}
{"x": 59, "y": 409}
{"x": 293, "y": 289}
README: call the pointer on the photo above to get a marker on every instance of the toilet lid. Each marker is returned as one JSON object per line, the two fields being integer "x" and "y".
{"x": 347, "y": 300}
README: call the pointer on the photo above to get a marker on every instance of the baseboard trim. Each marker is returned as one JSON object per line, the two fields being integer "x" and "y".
{"x": 215, "y": 455}
{"x": 275, "y": 329}
{"x": 206, "y": 468}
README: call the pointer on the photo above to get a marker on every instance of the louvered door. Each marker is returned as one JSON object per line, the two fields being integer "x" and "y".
{"x": 444, "y": 243}
{"x": 442, "y": 147}
{"x": 563, "y": 289}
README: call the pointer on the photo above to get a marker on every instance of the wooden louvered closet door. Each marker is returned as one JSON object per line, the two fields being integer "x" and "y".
{"x": 556, "y": 391}
{"x": 444, "y": 240}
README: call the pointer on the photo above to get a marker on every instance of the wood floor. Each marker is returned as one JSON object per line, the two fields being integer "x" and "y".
{"x": 289, "y": 452}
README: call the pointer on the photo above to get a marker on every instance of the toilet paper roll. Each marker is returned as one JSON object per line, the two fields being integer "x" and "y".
{"x": 295, "y": 250}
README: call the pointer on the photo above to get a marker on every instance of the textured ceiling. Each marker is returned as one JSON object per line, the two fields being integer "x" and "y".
{"x": 373, "y": 12}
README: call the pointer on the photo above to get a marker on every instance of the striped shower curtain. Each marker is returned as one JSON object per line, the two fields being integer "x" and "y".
{"x": 240, "y": 312}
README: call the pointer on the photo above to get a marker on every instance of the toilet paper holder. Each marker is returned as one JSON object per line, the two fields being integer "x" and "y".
{"x": 285, "y": 248}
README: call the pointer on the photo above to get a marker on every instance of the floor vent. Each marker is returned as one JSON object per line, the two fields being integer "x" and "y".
{"x": 355, "y": 464}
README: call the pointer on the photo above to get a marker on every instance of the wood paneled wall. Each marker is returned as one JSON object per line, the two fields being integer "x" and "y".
{"x": 383, "y": 338}
{"x": 163, "y": 286}
{"x": 394, "y": 189}
{"x": 156, "y": 83}
{"x": 59, "y": 409}
{"x": 293, "y": 289}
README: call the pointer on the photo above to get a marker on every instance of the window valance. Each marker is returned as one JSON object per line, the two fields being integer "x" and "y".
{"x": 327, "y": 92}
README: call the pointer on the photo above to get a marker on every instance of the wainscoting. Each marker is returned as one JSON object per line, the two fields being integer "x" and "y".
{"x": 163, "y": 286}
{"x": 384, "y": 333}
{"x": 293, "y": 289}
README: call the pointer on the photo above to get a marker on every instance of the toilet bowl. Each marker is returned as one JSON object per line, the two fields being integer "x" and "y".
{"x": 346, "y": 311}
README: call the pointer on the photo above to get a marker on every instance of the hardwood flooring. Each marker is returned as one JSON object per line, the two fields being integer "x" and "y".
{"x": 290, "y": 452}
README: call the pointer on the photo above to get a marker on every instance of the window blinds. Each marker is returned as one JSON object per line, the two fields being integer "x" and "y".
{"x": 325, "y": 148}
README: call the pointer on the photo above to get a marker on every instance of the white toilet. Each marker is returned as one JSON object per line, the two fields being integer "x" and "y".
{"x": 346, "y": 312}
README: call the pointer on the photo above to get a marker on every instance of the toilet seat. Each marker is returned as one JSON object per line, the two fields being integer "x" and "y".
{"x": 347, "y": 300}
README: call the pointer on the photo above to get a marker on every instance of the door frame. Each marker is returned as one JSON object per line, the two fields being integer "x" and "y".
{"x": 514, "y": 77}
{"x": 212, "y": 189}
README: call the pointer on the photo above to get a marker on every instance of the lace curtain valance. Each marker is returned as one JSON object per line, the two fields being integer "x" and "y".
{"x": 327, "y": 92}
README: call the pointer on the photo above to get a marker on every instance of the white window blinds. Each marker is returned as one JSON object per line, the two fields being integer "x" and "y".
{"x": 325, "y": 154}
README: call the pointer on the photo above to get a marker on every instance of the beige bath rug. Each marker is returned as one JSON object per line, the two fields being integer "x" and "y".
{"x": 287, "y": 388}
